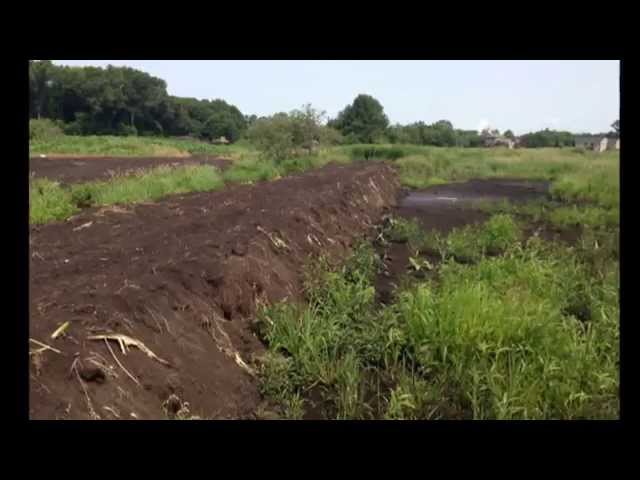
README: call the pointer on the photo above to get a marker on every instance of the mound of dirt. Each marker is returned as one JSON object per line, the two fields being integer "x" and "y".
{"x": 180, "y": 279}
{"x": 68, "y": 169}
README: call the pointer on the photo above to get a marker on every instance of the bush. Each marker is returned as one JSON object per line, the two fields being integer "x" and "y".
{"x": 44, "y": 128}
{"x": 73, "y": 128}
{"x": 273, "y": 137}
{"x": 126, "y": 130}
{"x": 370, "y": 152}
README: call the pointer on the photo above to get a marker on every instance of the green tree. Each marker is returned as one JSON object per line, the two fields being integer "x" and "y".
{"x": 509, "y": 134}
{"x": 616, "y": 127}
{"x": 273, "y": 137}
{"x": 40, "y": 82}
{"x": 306, "y": 125}
{"x": 222, "y": 123}
{"x": 363, "y": 120}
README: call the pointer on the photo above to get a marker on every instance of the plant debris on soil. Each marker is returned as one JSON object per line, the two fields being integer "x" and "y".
{"x": 71, "y": 169}
{"x": 182, "y": 278}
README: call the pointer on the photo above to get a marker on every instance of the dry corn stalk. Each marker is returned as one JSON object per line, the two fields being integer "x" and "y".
{"x": 83, "y": 226}
{"x": 125, "y": 342}
{"x": 44, "y": 347}
{"x": 225, "y": 345}
{"x": 277, "y": 242}
{"x": 60, "y": 330}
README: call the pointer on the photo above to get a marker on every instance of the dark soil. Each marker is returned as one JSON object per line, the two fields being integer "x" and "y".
{"x": 68, "y": 170}
{"x": 183, "y": 276}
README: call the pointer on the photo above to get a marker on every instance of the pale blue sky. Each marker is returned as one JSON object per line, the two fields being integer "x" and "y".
{"x": 579, "y": 96}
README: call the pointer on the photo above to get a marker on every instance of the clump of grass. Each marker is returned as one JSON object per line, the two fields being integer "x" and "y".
{"x": 590, "y": 216}
{"x": 148, "y": 185}
{"x": 470, "y": 243}
{"x": 48, "y": 201}
{"x": 315, "y": 345}
{"x": 400, "y": 230}
{"x": 298, "y": 164}
{"x": 598, "y": 182}
{"x": 249, "y": 170}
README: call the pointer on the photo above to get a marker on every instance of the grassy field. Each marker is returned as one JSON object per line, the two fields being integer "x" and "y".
{"x": 505, "y": 327}
{"x": 131, "y": 146}
{"x": 576, "y": 176}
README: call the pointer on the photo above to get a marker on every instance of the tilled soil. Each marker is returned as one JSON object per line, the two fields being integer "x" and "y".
{"x": 182, "y": 276}
{"x": 70, "y": 169}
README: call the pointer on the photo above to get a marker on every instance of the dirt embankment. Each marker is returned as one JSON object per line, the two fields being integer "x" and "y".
{"x": 68, "y": 169}
{"x": 183, "y": 277}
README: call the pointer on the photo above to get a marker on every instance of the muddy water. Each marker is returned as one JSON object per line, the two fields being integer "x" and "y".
{"x": 473, "y": 191}
{"x": 426, "y": 199}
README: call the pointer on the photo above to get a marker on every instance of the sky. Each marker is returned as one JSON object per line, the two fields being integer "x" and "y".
{"x": 523, "y": 96}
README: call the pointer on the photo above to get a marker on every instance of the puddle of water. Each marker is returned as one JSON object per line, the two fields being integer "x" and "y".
{"x": 416, "y": 199}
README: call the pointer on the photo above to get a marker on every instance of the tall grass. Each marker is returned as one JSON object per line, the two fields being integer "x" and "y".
{"x": 505, "y": 337}
{"x": 51, "y": 202}
{"x": 48, "y": 201}
{"x": 437, "y": 165}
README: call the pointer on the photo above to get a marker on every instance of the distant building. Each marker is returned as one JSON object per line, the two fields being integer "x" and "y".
{"x": 492, "y": 140}
{"x": 597, "y": 143}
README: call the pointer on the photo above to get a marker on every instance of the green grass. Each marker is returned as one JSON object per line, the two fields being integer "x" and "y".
{"x": 438, "y": 165}
{"x": 105, "y": 145}
{"x": 48, "y": 201}
{"x": 466, "y": 244}
{"x": 505, "y": 337}
{"x": 248, "y": 170}
{"x": 51, "y": 202}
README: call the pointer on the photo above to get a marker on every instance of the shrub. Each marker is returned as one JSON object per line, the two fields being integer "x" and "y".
{"x": 44, "y": 128}
{"x": 370, "y": 152}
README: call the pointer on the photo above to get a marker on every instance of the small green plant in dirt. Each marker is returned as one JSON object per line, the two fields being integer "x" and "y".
{"x": 401, "y": 231}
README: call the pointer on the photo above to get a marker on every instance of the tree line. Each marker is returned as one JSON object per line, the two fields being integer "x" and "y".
{"x": 126, "y": 101}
